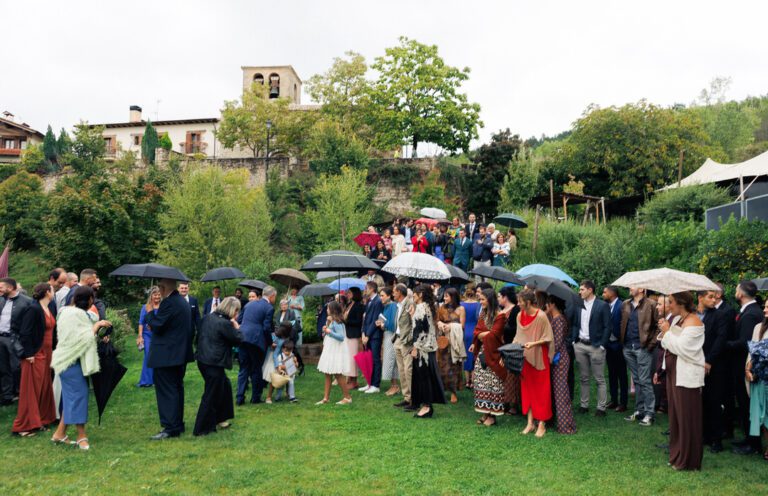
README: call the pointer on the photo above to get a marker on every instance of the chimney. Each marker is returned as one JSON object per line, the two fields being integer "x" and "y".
{"x": 135, "y": 114}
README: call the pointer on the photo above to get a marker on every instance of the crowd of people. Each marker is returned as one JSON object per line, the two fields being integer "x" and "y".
{"x": 685, "y": 355}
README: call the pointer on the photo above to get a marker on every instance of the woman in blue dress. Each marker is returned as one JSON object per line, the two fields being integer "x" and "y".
{"x": 144, "y": 341}
{"x": 471, "y": 311}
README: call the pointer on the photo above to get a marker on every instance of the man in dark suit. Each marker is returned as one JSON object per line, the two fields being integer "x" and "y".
{"x": 614, "y": 354}
{"x": 749, "y": 316}
{"x": 728, "y": 316}
{"x": 169, "y": 354}
{"x": 372, "y": 334}
{"x": 211, "y": 303}
{"x": 715, "y": 336}
{"x": 472, "y": 228}
{"x": 14, "y": 306}
{"x": 591, "y": 332}
{"x": 193, "y": 306}
{"x": 257, "y": 329}
{"x": 462, "y": 251}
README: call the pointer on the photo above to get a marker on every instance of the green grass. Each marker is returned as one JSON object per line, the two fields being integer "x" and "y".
{"x": 368, "y": 447}
{"x": 28, "y": 268}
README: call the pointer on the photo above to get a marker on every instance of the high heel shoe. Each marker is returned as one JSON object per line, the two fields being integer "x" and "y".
{"x": 426, "y": 415}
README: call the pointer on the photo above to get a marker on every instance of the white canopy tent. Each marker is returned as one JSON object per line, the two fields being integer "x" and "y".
{"x": 713, "y": 172}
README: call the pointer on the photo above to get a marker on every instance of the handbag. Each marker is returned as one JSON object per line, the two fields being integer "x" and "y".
{"x": 279, "y": 380}
{"x": 512, "y": 355}
{"x": 443, "y": 342}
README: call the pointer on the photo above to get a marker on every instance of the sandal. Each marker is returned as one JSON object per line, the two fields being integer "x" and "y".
{"x": 80, "y": 446}
{"x": 64, "y": 440}
{"x": 321, "y": 402}
{"x": 482, "y": 419}
{"x": 223, "y": 425}
{"x": 26, "y": 434}
{"x": 345, "y": 401}
{"x": 492, "y": 424}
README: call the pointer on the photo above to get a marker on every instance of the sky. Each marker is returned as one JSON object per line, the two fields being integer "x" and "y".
{"x": 536, "y": 65}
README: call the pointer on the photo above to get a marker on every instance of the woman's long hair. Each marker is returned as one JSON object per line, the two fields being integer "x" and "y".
{"x": 150, "y": 292}
{"x": 455, "y": 298}
{"x": 428, "y": 297}
{"x": 488, "y": 314}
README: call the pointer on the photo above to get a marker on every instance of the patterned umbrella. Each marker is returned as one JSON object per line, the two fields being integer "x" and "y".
{"x": 418, "y": 266}
{"x": 666, "y": 281}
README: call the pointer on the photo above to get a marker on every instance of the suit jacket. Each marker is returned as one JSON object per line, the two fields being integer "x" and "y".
{"x": 471, "y": 233}
{"x": 208, "y": 304}
{"x": 31, "y": 328}
{"x": 195, "y": 309}
{"x": 354, "y": 320}
{"x": 481, "y": 251}
{"x": 647, "y": 322}
{"x": 257, "y": 323}
{"x": 21, "y": 305}
{"x": 462, "y": 251}
{"x": 372, "y": 312}
{"x": 744, "y": 327}
{"x": 171, "y": 333}
{"x": 728, "y": 314}
{"x": 715, "y": 336}
{"x": 600, "y": 324}
{"x": 616, "y": 325}
{"x": 405, "y": 323}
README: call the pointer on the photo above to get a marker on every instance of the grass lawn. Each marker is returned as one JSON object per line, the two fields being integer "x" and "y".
{"x": 368, "y": 447}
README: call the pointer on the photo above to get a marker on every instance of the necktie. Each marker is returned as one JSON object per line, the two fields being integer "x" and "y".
{"x": 215, "y": 303}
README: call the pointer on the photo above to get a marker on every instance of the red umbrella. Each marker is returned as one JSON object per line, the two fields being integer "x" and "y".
{"x": 364, "y": 361}
{"x": 367, "y": 238}
{"x": 432, "y": 222}
{"x": 4, "y": 262}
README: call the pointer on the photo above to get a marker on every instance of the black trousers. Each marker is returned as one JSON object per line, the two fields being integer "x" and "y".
{"x": 251, "y": 359}
{"x": 216, "y": 406}
{"x": 169, "y": 389}
{"x": 712, "y": 398}
{"x": 618, "y": 383}
{"x": 8, "y": 366}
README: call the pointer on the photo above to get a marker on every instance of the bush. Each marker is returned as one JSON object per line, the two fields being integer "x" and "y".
{"x": 598, "y": 255}
{"x": 671, "y": 244}
{"x": 739, "y": 250}
{"x": 22, "y": 211}
{"x": 7, "y": 170}
{"x": 681, "y": 204}
{"x": 122, "y": 331}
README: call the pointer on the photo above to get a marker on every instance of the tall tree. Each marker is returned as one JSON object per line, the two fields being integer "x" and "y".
{"x": 149, "y": 143}
{"x": 491, "y": 165}
{"x": 49, "y": 147}
{"x": 63, "y": 146}
{"x": 520, "y": 183}
{"x": 88, "y": 149}
{"x": 417, "y": 99}
{"x": 22, "y": 215}
{"x": 330, "y": 147}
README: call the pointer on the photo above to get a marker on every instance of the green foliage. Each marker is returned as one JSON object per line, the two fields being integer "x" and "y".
{"x": 331, "y": 147}
{"x": 520, "y": 184}
{"x": 739, "y": 250}
{"x": 730, "y": 125}
{"x": 214, "y": 219}
{"x": 431, "y": 192}
{"x": 7, "y": 170}
{"x": 417, "y": 99}
{"x": 244, "y": 123}
{"x": 88, "y": 150}
{"x": 492, "y": 166}
{"x": 123, "y": 335}
{"x": 27, "y": 267}
{"x": 400, "y": 174}
{"x": 682, "y": 203}
{"x": 33, "y": 160}
{"x": 149, "y": 143}
{"x": 50, "y": 149}
{"x": 63, "y": 146}
{"x": 22, "y": 211}
{"x": 165, "y": 142}
{"x": 341, "y": 209}
{"x": 670, "y": 244}
{"x": 288, "y": 199}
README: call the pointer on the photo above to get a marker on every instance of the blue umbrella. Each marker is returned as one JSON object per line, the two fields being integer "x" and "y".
{"x": 345, "y": 283}
{"x": 546, "y": 271}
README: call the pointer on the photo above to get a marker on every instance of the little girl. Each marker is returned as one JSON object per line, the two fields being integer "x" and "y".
{"x": 272, "y": 360}
{"x": 334, "y": 359}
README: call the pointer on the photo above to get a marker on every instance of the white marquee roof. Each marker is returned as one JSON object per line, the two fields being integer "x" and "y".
{"x": 713, "y": 172}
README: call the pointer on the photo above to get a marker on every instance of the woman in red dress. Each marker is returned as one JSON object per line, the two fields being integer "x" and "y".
{"x": 489, "y": 373}
{"x": 37, "y": 408}
{"x": 534, "y": 333}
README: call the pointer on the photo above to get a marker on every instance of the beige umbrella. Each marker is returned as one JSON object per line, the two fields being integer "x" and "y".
{"x": 666, "y": 281}
{"x": 291, "y": 278}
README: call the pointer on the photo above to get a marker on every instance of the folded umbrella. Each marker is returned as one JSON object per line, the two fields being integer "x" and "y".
{"x": 221, "y": 274}
{"x": 364, "y": 361}
{"x": 417, "y": 266}
{"x": 433, "y": 213}
{"x": 252, "y": 284}
{"x": 149, "y": 271}
{"x": 666, "y": 281}
{"x": 497, "y": 274}
{"x": 109, "y": 376}
{"x": 316, "y": 290}
{"x": 509, "y": 220}
{"x": 548, "y": 271}
{"x": 367, "y": 238}
{"x": 345, "y": 283}
{"x": 290, "y": 277}
{"x": 554, "y": 287}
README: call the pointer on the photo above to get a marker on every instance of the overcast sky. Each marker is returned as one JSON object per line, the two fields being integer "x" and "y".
{"x": 535, "y": 65}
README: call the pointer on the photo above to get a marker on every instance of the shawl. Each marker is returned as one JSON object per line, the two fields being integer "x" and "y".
{"x": 398, "y": 244}
{"x": 426, "y": 343}
{"x": 538, "y": 330}
{"x": 76, "y": 342}
{"x": 456, "y": 337}
{"x": 491, "y": 342}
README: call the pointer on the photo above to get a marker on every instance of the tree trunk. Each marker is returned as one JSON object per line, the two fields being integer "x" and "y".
{"x": 415, "y": 144}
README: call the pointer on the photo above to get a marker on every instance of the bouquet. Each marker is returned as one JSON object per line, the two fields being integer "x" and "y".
{"x": 758, "y": 352}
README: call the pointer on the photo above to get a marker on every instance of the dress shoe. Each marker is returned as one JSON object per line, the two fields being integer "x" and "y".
{"x": 716, "y": 447}
{"x": 583, "y": 409}
{"x": 611, "y": 406}
{"x": 240, "y": 402}
{"x": 600, "y": 413}
{"x": 663, "y": 446}
{"x": 256, "y": 401}
{"x": 401, "y": 404}
{"x": 744, "y": 450}
{"x": 163, "y": 435}
{"x": 621, "y": 408}
{"x": 410, "y": 408}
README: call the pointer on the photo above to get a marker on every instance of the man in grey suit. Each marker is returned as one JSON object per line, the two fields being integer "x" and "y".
{"x": 404, "y": 344}
{"x": 591, "y": 330}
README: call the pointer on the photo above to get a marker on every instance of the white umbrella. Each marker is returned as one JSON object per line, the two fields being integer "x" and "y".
{"x": 418, "y": 266}
{"x": 433, "y": 213}
{"x": 666, "y": 281}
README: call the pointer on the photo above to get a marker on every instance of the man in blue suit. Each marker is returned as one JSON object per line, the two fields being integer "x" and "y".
{"x": 372, "y": 334}
{"x": 591, "y": 331}
{"x": 614, "y": 354}
{"x": 169, "y": 354}
{"x": 257, "y": 328}
{"x": 462, "y": 251}
{"x": 214, "y": 301}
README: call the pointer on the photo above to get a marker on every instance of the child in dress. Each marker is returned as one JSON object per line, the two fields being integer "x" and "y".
{"x": 334, "y": 360}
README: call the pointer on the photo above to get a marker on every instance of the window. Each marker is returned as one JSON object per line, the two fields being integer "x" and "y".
{"x": 195, "y": 142}
{"x": 9, "y": 143}
{"x": 274, "y": 85}
{"x": 23, "y": 144}
{"x": 258, "y": 78}
{"x": 137, "y": 139}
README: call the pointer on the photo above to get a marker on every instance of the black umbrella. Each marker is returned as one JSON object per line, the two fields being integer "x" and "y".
{"x": 552, "y": 286}
{"x": 509, "y": 220}
{"x": 149, "y": 271}
{"x": 458, "y": 276}
{"x": 497, "y": 274}
{"x": 316, "y": 290}
{"x": 221, "y": 274}
{"x": 339, "y": 260}
{"x": 762, "y": 284}
{"x": 252, "y": 284}
{"x": 106, "y": 380}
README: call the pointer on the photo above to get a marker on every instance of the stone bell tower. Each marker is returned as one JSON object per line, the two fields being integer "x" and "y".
{"x": 282, "y": 80}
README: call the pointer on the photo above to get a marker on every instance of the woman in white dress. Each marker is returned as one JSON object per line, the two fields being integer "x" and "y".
{"x": 398, "y": 242}
{"x": 334, "y": 360}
